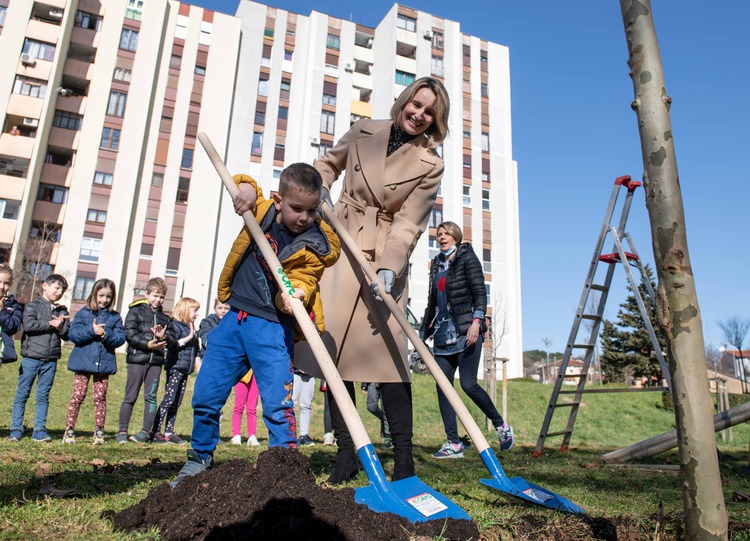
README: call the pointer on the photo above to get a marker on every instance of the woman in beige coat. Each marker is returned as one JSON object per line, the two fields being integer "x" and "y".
{"x": 391, "y": 182}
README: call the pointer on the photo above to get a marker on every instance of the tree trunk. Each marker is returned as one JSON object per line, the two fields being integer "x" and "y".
{"x": 678, "y": 313}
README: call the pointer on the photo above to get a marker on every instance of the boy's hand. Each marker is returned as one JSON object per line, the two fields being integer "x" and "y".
{"x": 246, "y": 199}
{"x": 99, "y": 328}
{"x": 156, "y": 344}
{"x": 286, "y": 299}
{"x": 57, "y": 322}
{"x": 159, "y": 331}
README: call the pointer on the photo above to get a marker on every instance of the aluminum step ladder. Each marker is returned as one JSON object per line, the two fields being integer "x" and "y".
{"x": 629, "y": 259}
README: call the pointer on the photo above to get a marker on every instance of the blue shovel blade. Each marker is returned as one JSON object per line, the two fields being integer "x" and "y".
{"x": 410, "y": 498}
{"x": 521, "y": 488}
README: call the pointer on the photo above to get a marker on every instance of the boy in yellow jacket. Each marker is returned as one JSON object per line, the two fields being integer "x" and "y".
{"x": 258, "y": 330}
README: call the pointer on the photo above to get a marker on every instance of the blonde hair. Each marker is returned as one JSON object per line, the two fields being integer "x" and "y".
{"x": 181, "y": 310}
{"x": 102, "y": 283}
{"x": 438, "y": 131}
{"x": 453, "y": 230}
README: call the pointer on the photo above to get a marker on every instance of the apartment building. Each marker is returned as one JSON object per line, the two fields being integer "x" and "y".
{"x": 101, "y": 176}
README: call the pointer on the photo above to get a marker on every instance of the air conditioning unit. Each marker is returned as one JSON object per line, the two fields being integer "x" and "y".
{"x": 64, "y": 91}
{"x": 55, "y": 13}
{"x": 314, "y": 141}
{"x": 369, "y": 43}
{"x": 349, "y": 67}
{"x": 428, "y": 34}
{"x": 31, "y": 122}
{"x": 27, "y": 59}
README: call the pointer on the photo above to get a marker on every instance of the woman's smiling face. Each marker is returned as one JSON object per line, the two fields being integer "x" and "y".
{"x": 419, "y": 113}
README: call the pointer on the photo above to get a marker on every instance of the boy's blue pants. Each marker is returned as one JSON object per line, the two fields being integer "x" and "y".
{"x": 238, "y": 343}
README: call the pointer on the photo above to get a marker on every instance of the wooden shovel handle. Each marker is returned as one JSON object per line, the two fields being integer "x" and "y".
{"x": 475, "y": 433}
{"x": 333, "y": 378}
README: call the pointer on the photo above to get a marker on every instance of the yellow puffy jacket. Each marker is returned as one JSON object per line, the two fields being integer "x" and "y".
{"x": 304, "y": 267}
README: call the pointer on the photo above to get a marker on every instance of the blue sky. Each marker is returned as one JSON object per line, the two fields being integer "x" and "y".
{"x": 574, "y": 133}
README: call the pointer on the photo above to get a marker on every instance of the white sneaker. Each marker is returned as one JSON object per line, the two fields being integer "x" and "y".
{"x": 253, "y": 441}
{"x": 328, "y": 438}
{"x": 236, "y": 440}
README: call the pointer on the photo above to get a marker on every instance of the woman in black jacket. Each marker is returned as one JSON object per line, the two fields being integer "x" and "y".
{"x": 454, "y": 318}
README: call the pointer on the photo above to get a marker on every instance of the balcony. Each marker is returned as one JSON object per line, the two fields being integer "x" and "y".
{"x": 360, "y": 80}
{"x": 40, "y": 69}
{"x": 7, "y": 231}
{"x": 406, "y": 37}
{"x": 58, "y": 175}
{"x": 61, "y": 137}
{"x": 71, "y": 104}
{"x": 78, "y": 69}
{"x": 48, "y": 212}
{"x": 25, "y": 106}
{"x": 85, "y": 37}
{"x": 12, "y": 188}
{"x": 90, "y": 6}
{"x": 13, "y": 167}
{"x": 42, "y": 31}
{"x": 364, "y": 54}
{"x": 407, "y": 65}
{"x": 17, "y": 146}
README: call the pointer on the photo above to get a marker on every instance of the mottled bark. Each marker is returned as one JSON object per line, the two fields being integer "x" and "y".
{"x": 678, "y": 313}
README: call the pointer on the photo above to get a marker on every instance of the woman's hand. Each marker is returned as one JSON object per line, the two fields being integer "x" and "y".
{"x": 473, "y": 335}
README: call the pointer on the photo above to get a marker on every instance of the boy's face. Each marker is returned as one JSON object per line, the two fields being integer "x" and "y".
{"x": 6, "y": 280}
{"x": 297, "y": 209}
{"x": 53, "y": 292}
{"x": 155, "y": 298}
{"x": 221, "y": 309}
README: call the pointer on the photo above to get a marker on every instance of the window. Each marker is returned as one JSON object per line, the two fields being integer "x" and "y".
{"x": 183, "y": 188}
{"x": 134, "y": 10}
{"x": 9, "y": 209}
{"x": 485, "y": 91}
{"x": 278, "y": 152}
{"x": 277, "y": 174}
{"x": 88, "y": 21}
{"x": 175, "y": 62}
{"x": 284, "y": 89}
{"x": 436, "y": 217}
{"x": 256, "y": 149}
{"x": 329, "y": 99}
{"x": 157, "y": 180}
{"x": 485, "y": 142}
{"x": 262, "y": 87}
{"x": 485, "y": 199}
{"x": 187, "y": 158}
{"x": 437, "y": 40}
{"x": 485, "y": 176}
{"x": 110, "y": 139}
{"x": 68, "y": 121}
{"x": 260, "y": 116}
{"x": 403, "y": 78}
{"x": 98, "y": 216}
{"x": 116, "y": 105}
{"x": 407, "y": 23}
{"x": 288, "y": 55}
{"x": 122, "y": 74}
{"x": 487, "y": 260}
{"x": 103, "y": 179}
{"x": 52, "y": 194}
{"x": 39, "y": 49}
{"x": 147, "y": 250}
{"x": 3, "y": 11}
{"x": 327, "y": 122}
{"x": 488, "y": 288}
{"x": 333, "y": 42}
{"x": 28, "y": 86}
{"x": 437, "y": 66}
{"x": 467, "y": 134}
{"x": 483, "y": 56}
{"x": 433, "y": 248}
{"x": 200, "y": 70}
{"x": 331, "y": 71}
{"x": 323, "y": 148}
{"x": 90, "y": 249}
{"x": 173, "y": 260}
{"x": 268, "y": 33}
{"x": 282, "y": 118}
{"x": 128, "y": 39}
{"x": 82, "y": 288}
{"x": 467, "y": 195}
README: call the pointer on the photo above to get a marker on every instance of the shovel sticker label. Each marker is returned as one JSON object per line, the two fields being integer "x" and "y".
{"x": 538, "y": 495}
{"x": 426, "y": 504}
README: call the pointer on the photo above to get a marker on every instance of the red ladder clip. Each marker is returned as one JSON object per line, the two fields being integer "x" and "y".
{"x": 615, "y": 258}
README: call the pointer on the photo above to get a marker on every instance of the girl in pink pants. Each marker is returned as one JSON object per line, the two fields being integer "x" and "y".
{"x": 245, "y": 396}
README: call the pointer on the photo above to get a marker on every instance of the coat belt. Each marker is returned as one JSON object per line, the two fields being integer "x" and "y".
{"x": 372, "y": 217}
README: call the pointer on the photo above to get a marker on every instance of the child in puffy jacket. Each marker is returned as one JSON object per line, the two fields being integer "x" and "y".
{"x": 11, "y": 315}
{"x": 182, "y": 349}
{"x": 96, "y": 331}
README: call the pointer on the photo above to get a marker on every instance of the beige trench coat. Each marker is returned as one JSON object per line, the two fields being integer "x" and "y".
{"x": 385, "y": 205}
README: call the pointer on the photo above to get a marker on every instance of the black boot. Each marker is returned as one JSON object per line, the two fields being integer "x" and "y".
{"x": 346, "y": 467}
{"x": 403, "y": 466}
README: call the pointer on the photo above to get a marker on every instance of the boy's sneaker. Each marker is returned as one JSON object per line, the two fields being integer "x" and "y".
{"x": 387, "y": 443}
{"x": 159, "y": 439}
{"x": 122, "y": 438}
{"x": 193, "y": 466}
{"x": 141, "y": 437}
{"x": 99, "y": 437}
{"x": 15, "y": 435}
{"x": 69, "y": 436}
{"x": 252, "y": 441}
{"x": 305, "y": 441}
{"x": 450, "y": 450}
{"x": 40, "y": 436}
{"x": 174, "y": 439}
{"x": 236, "y": 440}
{"x": 505, "y": 435}
{"x": 328, "y": 438}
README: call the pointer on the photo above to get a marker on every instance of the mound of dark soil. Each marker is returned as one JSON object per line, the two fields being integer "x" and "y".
{"x": 274, "y": 498}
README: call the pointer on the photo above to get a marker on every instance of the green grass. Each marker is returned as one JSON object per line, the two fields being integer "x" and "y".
{"x": 115, "y": 477}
